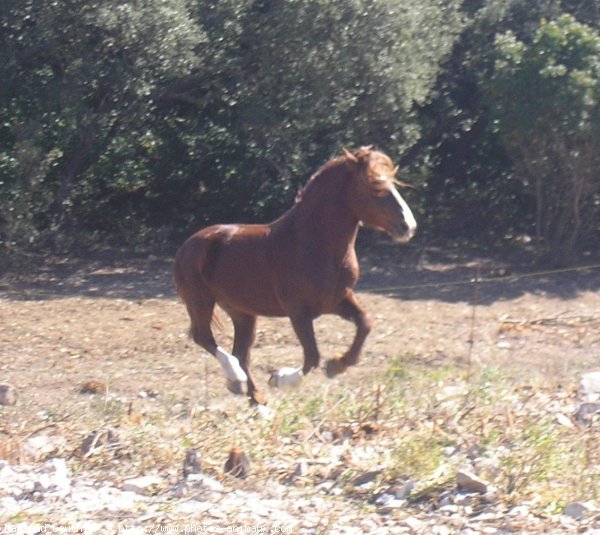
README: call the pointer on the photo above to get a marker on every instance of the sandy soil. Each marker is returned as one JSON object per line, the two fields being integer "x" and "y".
{"x": 111, "y": 324}
{"x": 114, "y": 318}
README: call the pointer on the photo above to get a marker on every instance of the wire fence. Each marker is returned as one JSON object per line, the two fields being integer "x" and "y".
{"x": 475, "y": 282}
{"x": 477, "y": 279}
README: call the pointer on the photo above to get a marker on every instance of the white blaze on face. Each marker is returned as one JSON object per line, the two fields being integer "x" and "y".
{"x": 409, "y": 218}
{"x": 231, "y": 366}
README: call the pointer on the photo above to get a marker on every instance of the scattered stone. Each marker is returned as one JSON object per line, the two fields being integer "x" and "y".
{"x": 58, "y": 468}
{"x": 401, "y": 492}
{"x": 587, "y": 411}
{"x": 370, "y": 428}
{"x": 446, "y": 498}
{"x": 327, "y": 435}
{"x": 238, "y": 463}
{"x": 491, "y": 497}
{"x": 191, "y": 463}
{"x": 589, "y": 387}
{"x": 564, "y": 420}
{"x": 519, "y": 510}
{"x": 414, "y": 524}
{"x": 264, "y": 412}
{"x": 205, "y": 482}
{"x": 148, "y": 393}
{"x": 449, "y": 509}
{"x": 145, "y": 485}
{"x": 387, "y": 502}
{"x": 43, "y": 446}
{"x": 48, "y": 491}
{"x": 470, "y": 482}
{"x": 578, "y": 510}
{"x": 94, "y": 442}
{"x": 301, "y": 469}
{"x": 8, "y": 394}
{"x": 473, "y": 452}
{"x": 93, "y": 387}
{"x": 366, "y": 478}
{"x": 199, "y": 487}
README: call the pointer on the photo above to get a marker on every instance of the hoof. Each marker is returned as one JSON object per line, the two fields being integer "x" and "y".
{"x": 334, "y": 367}
{"x": 286, "y": 378}
{"x": 239, "y": 388}
{"x": 257, "y": 398}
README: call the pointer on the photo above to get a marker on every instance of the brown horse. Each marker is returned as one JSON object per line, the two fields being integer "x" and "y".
{"x": 301, "y": 266}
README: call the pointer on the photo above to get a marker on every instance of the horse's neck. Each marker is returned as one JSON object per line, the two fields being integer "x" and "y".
{"x": 322, "y": 217}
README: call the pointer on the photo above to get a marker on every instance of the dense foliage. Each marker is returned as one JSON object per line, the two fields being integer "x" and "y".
{"x": 144, "y": 120}
{"x": 553, "y": 128}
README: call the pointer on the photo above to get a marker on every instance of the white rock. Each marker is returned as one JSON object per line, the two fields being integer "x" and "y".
{"x": 519, "y": 510}
{"x": 564, "y": 420}
{"x": 264, "y": 412}
{"x": 589, "y": 387}
{"x": 413, "y": 523}
{"x": 7, "y": 473}
{"x": 142, "y": 484}
{"x": 43, "y": 482}
{"x": 40, "y": 446}
{"x": 387, "y": 502}
{"x": 9, "y": 506}
{"x": 59, "y": 472}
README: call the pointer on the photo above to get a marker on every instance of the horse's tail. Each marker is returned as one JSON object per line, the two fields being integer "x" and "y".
{"x": 188, "y": 268}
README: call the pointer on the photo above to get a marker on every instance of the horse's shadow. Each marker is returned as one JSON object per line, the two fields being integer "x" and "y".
{"x": 105, "y": 274}
{"x": 404, "y": 273}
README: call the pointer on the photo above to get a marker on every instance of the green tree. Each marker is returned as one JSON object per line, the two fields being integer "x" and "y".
{"x": 471, "y": 190}
{"x": 545, "y": 99}
{"x": 117, "y": 116}
{"x": 78, "y": 79}
{"x": 290, "y": 82}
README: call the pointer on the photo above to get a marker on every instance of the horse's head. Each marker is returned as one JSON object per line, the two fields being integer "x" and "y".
{"x": 373, "y": 195}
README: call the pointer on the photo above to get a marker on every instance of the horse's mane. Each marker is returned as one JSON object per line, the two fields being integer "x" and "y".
{"x": 374, "y": 165}
{"x": 332, "y": 165}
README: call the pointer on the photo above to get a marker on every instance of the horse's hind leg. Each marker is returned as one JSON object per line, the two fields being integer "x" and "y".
{"x": 201, "y": 314}
{"x": 350, "y": 309}
{"x": 200, "y": 302}
{"x": 244, "y": 336}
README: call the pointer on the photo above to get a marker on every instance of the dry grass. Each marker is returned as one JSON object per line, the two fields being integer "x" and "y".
{"x": 407, "y": 422}
{"x": 420, "y": 413}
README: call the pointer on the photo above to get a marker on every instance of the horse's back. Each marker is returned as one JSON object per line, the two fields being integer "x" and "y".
{"x": 233, "y": 263}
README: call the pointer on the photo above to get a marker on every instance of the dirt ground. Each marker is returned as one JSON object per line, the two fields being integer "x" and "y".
{"x": 109, "y": 324}
{"x": 114, "y": 318}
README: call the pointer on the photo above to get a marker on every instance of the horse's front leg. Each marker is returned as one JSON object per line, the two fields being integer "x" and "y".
{"x": 350, "y": 309}
{"x": 303, "y": 327}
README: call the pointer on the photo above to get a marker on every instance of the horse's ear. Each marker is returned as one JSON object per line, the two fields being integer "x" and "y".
{"x": 349, "y": 155}
{"x": 363, "y": 154}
